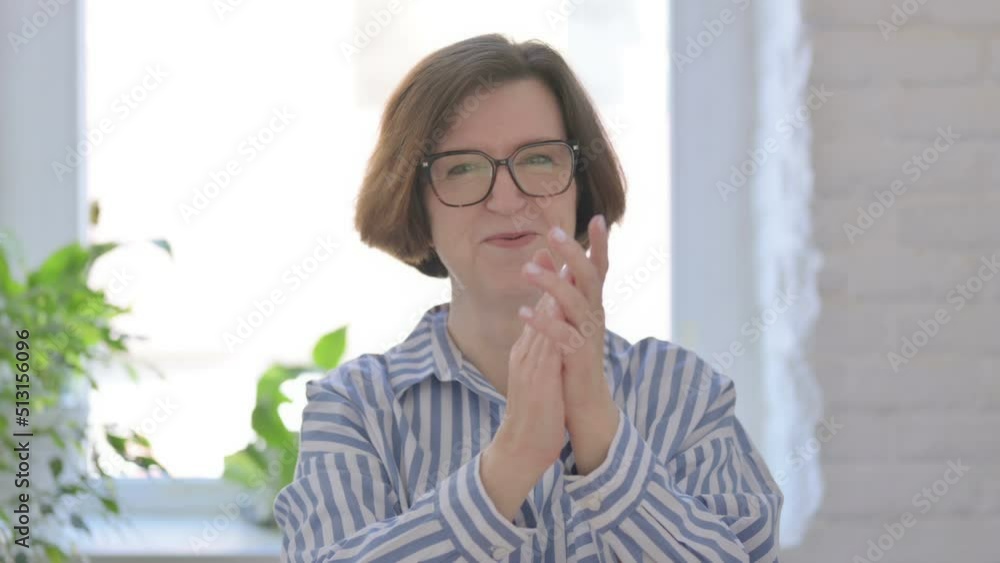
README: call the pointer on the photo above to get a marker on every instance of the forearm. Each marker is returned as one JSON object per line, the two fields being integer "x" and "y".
{"x": 591, "y": 437}
{"x": 507, "y": 480}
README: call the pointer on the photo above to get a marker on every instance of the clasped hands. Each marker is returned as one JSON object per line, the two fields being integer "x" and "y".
{"x": 570, "y": 314}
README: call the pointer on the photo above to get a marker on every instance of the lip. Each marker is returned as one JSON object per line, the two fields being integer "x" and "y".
{"x": 525, "y": 238}
{"x": 508, "y": 234}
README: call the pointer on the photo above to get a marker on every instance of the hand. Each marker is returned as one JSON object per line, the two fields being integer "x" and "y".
{"x": 533, "y": 430}
{"x": 578, "y": 329}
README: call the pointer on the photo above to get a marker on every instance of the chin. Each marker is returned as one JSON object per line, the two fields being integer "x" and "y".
{"x": 508, "y": 283}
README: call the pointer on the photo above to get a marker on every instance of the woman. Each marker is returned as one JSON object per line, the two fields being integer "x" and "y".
{"x": 511, "y": 425}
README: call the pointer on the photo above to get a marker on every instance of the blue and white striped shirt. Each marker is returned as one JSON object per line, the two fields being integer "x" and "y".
{"x": 388, "y": 468}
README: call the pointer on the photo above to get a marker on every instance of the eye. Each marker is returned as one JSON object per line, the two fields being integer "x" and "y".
{"x": 537, "y": 159}
{"x": 467, "y": 168}
{"x": 460, "y": 169}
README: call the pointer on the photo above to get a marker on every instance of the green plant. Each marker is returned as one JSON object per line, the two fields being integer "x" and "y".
{"x": 267, "y": 464}
{"x": 55, "y": 328}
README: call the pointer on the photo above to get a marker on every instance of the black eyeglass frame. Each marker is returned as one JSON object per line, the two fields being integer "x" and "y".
{"x": 425, "y": 165}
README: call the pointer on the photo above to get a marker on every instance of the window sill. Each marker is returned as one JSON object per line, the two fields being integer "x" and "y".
{"x": 175, "y": 520}
{"x": 163, "y": 539}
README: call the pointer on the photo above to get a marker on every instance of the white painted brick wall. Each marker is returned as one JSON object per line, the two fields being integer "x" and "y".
{"x": 903, "y": 427}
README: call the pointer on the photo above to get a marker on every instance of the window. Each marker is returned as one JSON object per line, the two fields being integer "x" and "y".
{"x": 240, "y": 131}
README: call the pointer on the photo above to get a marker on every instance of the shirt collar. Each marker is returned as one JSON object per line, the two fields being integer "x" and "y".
{"x": 430, "y": 350}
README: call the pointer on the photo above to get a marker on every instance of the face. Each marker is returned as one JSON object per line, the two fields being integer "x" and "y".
{"x": 512, "y": 115}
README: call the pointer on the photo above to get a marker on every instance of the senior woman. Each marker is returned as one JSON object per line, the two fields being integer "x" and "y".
{"x": 511, "y": 425}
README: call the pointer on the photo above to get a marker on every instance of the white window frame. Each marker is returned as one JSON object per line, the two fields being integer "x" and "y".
{"x": 727, "y": 101}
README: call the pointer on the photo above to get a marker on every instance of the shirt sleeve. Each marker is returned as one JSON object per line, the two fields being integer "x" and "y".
{"x": 691, "y": 487}
{"x": 343, "y": 506}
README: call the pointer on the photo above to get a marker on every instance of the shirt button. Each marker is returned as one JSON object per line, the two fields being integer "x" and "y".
{"x": 593, "y": 502}
{"x": 499, "y": 552}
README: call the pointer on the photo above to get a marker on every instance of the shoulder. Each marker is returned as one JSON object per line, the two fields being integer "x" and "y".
{"x": 362, "y": 382}
{"x": 658, "y": 370}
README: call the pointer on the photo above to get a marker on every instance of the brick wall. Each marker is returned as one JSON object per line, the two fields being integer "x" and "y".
{"x": 912, "y": 135}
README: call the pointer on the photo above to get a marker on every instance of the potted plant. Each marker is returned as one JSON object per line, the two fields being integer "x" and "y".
{"x": 54, "y": 330}
{"x": 267, "y": 464}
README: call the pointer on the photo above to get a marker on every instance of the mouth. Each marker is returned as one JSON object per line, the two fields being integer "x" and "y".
{"x": 509, "y": 240}
{"x": 510, "y": 236}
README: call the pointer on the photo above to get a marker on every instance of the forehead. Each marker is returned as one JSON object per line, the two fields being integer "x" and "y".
{"x": 500, "y": 120}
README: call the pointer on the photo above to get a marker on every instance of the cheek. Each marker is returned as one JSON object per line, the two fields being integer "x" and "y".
{"x": 563, "y": 210}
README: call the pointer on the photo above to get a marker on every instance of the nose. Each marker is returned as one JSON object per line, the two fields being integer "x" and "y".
{"x": 505, "y": 197}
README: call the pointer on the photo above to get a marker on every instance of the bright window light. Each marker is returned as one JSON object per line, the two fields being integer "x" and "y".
{"x": 239, "y": 132}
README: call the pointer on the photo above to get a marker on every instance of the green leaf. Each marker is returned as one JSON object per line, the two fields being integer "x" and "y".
{"x": 110, "y": 505}
{"x": 71, "y": 489}
{"x": 118, "y": 443}
{"x": 8, "y": 286}
{"x": 140, "y": 439}
{"x": 21, "y": 558}
{"x": 54, "y": 554}
{"x": 269, "y": 426}
{"x": 78, "y": 522}
{"x": 244, "y": 467}
{"x": 164, "y": 245}
{"x": 133, "y": 373}
{"x": 269, "y": 385}
{"x": 56, "y": 465}
{"x": 147, "y": 463}
{"x": 95, "y": 251}
{"x": 63, "y": 266}
{"x": 329, "y": 349}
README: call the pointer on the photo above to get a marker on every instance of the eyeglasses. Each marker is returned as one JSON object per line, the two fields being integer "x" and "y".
{"x": 466, "y": 177}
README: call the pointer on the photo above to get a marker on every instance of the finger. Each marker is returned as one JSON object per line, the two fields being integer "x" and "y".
{"x": 532, "y": 359}
{"x": 520, "y": 347}
{"x": 572, "y": 302}
{"x": 557, "y": 331}
{"x": 547, "y": 304}
{"x": 544, "y": 258}
{"x": 585, "y": 274}
{"x": 598, "y": 229}
{"x": 550, "y": 360}
{"x": 555, "y": 310}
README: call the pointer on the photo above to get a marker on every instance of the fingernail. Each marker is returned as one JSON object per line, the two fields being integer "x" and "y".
{"x": 558, "y": 234}
{"x": 532, "y": 268}
{"x": 525, "y": 312}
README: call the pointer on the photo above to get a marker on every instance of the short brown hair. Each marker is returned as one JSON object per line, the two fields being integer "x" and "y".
{"x": 390, "y": 214}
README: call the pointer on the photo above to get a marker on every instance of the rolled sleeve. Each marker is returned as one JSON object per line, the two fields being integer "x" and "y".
{"x": 472, "y": 519}
{"x": 710, "y": 498}
{"x": 613, "y": 489}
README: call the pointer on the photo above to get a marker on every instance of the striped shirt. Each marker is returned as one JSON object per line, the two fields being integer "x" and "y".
{"x": 388, "y": 468}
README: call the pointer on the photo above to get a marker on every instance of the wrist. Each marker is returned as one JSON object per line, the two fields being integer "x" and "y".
{"x": 507, "y": 483}
{"x": 504, "y": 452}
{"x": 592, "y": 438}
{"x": 593, "y": 420}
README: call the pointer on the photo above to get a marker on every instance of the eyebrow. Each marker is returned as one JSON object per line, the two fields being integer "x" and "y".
{"x": 519, "y": 145}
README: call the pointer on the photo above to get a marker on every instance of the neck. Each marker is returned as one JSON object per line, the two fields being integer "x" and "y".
{"x": 485, "y": 329}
